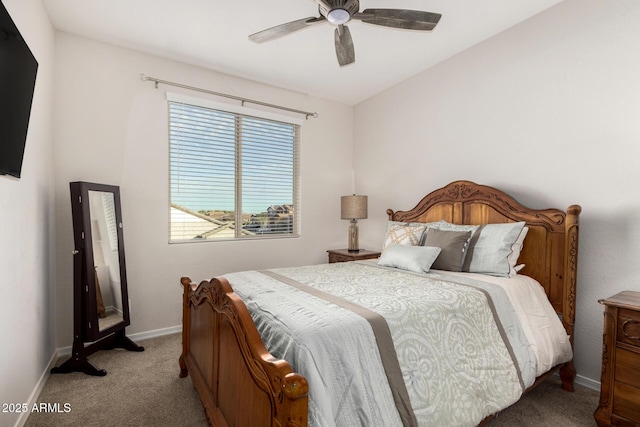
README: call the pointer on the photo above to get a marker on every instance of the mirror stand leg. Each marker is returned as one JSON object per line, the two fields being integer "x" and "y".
{"x": 78, "y": 362}
{"x": 120, "y": 340}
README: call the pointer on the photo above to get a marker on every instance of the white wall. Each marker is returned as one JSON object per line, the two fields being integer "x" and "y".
{"x": 26, "y": 231}
{"x": 548, "y": 111}
{"x": 111, "y": 128}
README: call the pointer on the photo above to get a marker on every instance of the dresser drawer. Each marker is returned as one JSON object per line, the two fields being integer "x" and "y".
{"x": 629, "y": 327}
{"x": 626, "y": 401}
{"x": 617, "y": 421}
{"x": 628, "y": 367}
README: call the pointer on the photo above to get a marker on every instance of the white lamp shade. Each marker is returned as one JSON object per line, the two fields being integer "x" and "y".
{"x": 353, "y": 207}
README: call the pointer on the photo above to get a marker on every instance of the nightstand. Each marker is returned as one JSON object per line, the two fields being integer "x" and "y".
{"x": 620, "y": 381}
{"x": 344, "y": 255}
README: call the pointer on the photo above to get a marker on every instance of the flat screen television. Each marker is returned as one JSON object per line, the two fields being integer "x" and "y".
{"x": 18, "y": 69}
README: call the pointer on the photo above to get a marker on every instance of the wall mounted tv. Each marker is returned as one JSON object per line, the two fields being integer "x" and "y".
{"x": 18, "y": 70}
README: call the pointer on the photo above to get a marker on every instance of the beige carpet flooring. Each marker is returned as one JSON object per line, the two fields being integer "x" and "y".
{"x": 143, "y": 389}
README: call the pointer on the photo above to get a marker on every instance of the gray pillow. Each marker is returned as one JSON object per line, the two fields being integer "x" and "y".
{"x": 452, "y": 245}
{"x": 413, "y": 258}
{"x": 490, "y": 248}
{"x": 447, "y": 226}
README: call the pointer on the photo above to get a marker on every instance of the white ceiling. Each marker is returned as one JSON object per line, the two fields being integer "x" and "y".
{"x": 213, "y": 34}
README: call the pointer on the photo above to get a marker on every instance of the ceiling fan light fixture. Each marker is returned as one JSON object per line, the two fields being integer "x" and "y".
{"x": 338, "y": 16}
{"x": 340, "y": 12}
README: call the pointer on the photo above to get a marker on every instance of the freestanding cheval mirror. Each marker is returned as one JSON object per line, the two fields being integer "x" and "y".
{"x": 100, "y": 298}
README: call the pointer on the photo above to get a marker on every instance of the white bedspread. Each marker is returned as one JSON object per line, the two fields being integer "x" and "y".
{"x": 459, "y": 365}
{"x": 544, "y": 330}
{"x": 333, "y": 348}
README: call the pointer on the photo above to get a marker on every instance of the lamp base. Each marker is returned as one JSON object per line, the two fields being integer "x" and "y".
{"x": 353, "y": 236}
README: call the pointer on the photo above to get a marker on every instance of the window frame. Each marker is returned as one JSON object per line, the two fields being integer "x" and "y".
{"x": 252, "y": 114}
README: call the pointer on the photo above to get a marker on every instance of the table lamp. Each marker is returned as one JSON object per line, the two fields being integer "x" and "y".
{"x": 353, "y": 208}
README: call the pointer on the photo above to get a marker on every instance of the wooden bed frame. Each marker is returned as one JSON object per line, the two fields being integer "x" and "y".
{"x": 240, "y": 383}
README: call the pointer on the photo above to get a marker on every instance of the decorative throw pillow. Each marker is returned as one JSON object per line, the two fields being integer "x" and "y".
{"x": 452, "y": 245}
{"x": 436, "y": 225}
{"x": 400, "y": 233}
{"x": 413, "y": 258}
{"x": 447, "y": 226}
{"x": 490, "y": 248}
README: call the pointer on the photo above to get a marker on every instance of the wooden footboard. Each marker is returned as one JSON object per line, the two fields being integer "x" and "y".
{"x": 238, "y": 381}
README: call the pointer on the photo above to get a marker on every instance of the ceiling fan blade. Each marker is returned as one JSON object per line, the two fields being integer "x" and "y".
{"x": 344, "y": 46}
{"x": 399, "y": 18}
{"x": 284, "y": 29}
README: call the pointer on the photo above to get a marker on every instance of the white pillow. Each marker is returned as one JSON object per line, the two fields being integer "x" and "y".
{"x": 516, "y": 248}
{"x": 413, "y": 258}
{"x": 490, "y": 252}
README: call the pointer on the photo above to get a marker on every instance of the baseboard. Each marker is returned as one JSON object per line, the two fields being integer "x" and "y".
{"x": 588, "y": 382}
{"x": 21, "y": 421}
{"x": 140, "y": 336}
{"x": 66, "y": 351}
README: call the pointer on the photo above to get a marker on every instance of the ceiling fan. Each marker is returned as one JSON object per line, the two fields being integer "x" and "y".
{"x": 340, "y": 12}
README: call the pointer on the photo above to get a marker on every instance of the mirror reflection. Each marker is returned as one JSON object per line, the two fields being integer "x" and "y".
{"x": 106, "y": 259}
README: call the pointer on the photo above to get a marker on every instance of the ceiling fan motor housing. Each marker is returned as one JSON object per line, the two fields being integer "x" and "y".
{"x": 326, "y": 6}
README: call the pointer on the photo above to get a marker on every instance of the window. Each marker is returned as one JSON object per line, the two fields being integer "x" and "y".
{"x": 232, "y": 176}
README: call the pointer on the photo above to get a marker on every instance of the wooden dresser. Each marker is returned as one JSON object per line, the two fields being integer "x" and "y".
{"x": 344, "y": 255}
{"x": 620, "y": 381}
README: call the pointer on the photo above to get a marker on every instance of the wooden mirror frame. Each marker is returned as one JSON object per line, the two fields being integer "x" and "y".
{"x": 85, "y": 296}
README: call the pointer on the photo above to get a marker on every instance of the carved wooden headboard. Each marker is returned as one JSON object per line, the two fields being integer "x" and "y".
{"x": 550, "y": 251}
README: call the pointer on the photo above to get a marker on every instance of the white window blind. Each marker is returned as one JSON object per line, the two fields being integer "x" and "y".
{"x": 110, "y": 219}
{"x": 232, "y": 176}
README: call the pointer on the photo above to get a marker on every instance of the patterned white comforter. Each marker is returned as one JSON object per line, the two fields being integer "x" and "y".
{"x": 460, "y": 346}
